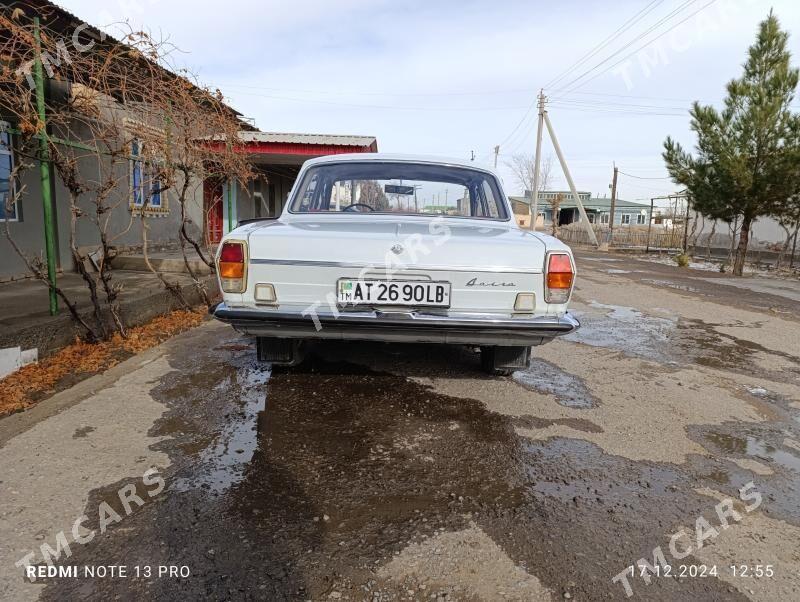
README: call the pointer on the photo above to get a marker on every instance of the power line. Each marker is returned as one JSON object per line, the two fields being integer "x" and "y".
{"x": 633, "y": 97}
{"x": 595, "y": 103}
{"x": 589, "y": 54}
{"x": 593, "y": 51}
{"x": 519, "y": 124}
{"x": 372, "y": 106}
{"x": 652, "y": 28}
{"x": 645, "y": 177}
{"x": 687, "y": 100}
{"x": 629, "y": 23}
{"x": 483, "y": 92}
{"x": 620, "y": 111}
{"x": 661, "y": 35}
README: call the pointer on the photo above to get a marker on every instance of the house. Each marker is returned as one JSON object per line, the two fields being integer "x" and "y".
{"x": 276, "y": 159}
{"x": 74, "y": 113}
{"x": 211, "y": 207}
{"x": 598, "y": 210}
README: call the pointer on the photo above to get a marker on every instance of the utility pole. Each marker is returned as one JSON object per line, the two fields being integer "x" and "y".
{"x": 496, "y": 152}
{"x": 649, "y": 225}
{"x": 613, "y": 205}
{"x": 581, "y": 210}
{"x": 48, "y": 213}
{"x": 537, "y": 162}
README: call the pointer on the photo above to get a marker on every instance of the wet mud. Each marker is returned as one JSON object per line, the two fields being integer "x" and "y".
{"x": 315, "y": 482}
{"x": 676, "y": 341}
{"x": 313, "y": 479}
{"x": 545, "y": 377}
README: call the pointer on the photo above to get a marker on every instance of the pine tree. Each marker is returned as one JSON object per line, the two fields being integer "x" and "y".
{"x": 744, "y": 165}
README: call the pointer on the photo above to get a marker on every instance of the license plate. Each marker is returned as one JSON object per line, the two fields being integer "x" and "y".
{"x": 397, "y": 292}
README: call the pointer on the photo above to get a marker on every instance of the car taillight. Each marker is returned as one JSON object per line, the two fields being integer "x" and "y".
{"x": 559, "y": 276}
{"x": 232, "y": 267}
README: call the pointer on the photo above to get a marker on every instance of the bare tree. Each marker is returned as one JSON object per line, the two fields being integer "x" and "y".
{"x": 523, "y": 167}
{"x": 124, "y": 110}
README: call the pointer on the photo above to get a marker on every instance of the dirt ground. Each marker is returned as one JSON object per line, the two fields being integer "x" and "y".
{"x": 669, "y": 425}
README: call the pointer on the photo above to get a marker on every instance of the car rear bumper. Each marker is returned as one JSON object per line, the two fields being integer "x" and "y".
{"x": 390, "y": 326}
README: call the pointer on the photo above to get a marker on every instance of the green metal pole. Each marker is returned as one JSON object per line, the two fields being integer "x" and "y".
{"x": 44, "y": 166}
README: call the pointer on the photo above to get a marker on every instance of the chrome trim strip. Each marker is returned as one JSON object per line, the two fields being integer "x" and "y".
{"x": 564, "y": 322}
{"x": 406, "y": 326}
{"x": 354, "y": 265}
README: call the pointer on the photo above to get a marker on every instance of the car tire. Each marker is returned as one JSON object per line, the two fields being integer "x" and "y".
{"x": 504, "y": 361}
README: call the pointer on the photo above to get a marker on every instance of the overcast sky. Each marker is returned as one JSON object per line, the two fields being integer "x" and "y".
{"x": 452, "y": 77}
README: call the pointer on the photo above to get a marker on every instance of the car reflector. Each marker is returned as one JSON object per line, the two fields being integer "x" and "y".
{"x": 265, "y": 293}
{"x": 525, "y": 302}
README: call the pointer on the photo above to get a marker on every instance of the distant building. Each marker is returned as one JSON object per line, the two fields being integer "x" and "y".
{"x": 598, "y": 210}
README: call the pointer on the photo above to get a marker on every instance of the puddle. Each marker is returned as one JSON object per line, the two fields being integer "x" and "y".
{"x": 670, "y": 284}
{"x": 707, "y": 347}
{"x": 754, "y": 447}
{"x": 668, "y": 340}
{"x": 238, "y": 439}
{"x": 350, "y": 466}
{"x": 535, "y": 422}
{"x": 544, "y": 377}
{"x": 616, "y": 271}
{"x": 626, "y": 329}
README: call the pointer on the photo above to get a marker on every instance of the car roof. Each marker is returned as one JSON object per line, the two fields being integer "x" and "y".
{"x": 396, "y": 158}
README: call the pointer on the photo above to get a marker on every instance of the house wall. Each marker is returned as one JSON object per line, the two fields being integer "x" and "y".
{"x": 28, "y": 233}
{"x": 124, "y": 227}
{"x": 597, "y": 216}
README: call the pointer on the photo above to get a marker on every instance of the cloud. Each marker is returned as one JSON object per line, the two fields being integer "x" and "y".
{"x": 449, "y": 77}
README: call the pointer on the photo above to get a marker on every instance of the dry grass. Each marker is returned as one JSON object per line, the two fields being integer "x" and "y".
{"x": 26, "y": 386}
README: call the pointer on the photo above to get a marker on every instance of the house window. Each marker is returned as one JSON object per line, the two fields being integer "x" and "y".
{"x": 8, "y": 211}
{"x": 626, "y": 218}
{"x": 591, "y": 217}
{"x": 145, "y": 186}
{"x": 604, "y": 218}
{"x": 640, "y": 219}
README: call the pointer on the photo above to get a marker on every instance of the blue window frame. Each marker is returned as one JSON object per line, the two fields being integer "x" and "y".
{"x": 10, "y": 212}
{"x": 143, "y": 177}
{"x": 136, "y": 174}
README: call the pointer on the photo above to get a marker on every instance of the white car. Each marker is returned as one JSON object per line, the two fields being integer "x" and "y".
{"x": 398, "y": 249}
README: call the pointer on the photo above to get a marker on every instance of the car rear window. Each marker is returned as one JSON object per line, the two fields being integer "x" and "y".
{"x": 399, "y": 188}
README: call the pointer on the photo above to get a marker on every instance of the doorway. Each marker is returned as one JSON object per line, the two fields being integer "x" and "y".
{"x": 212, "y": 207}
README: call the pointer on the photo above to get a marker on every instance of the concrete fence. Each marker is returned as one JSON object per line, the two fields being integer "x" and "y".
{"x": 671, "y": 239}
